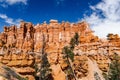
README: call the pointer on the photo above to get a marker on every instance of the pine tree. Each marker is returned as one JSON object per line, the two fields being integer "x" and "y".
{"x": 76, "y": 37}
{"x": 45, "y": 71}
{"x": 69, "y": 56}
{"x": 74, "y": 41}
{"x": 96, "y": 76}
{"x": 68, "y": 53}
{"x": 114, "y": 72}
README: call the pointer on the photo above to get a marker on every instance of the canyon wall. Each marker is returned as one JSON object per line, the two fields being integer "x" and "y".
{"x": 29, "y": 38}
{"x": 21, "y": 48}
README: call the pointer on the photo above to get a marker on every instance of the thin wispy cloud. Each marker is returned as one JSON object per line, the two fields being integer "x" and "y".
{"x": 5, "y": 3}
{"x": 9, "y": 20}
{"x": 59, "y": 2}
{"x": 105, "y": 17}
{"x": 11, "y": 2}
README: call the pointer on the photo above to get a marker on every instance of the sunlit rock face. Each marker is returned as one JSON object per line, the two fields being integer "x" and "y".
{"x": 21, "y": 49}
{"x": 20, "y": 63}
{"x": 29, "y": 38}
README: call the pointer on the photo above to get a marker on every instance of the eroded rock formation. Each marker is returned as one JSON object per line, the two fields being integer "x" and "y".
{"x": 21, "y": 48}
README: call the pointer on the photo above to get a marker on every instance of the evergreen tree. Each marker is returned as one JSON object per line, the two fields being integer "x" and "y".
{"x": 69, "y": 56}
{"x": 96, "y": 76}
{"x": 76, "y": 37}
{"x": 45, "y": 71}
{"x": 105, "y": 75}
{"x": 74, "y": 41}
{"x": 68, "y": 53}
{"x": 114, "y": 72}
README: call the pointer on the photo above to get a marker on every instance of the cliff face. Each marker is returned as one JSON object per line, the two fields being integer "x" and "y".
{"x": 20, "y": 48}
{"x": 29, "y": 38}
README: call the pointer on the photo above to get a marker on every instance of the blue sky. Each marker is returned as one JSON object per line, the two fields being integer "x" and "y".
{"x": 102, "y": 15}
{"x": 37, "y": 11}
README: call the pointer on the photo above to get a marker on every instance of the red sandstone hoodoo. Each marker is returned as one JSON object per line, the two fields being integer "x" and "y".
{"x": 20, "y": 48}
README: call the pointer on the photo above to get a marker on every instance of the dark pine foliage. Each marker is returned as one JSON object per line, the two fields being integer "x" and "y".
{"x": 45, "y": 71}
{"x": 74, "y": 41}
{"x": 69, "y": 56}
{"x": 114, "y": 72}
{"x": 68, "y": 53}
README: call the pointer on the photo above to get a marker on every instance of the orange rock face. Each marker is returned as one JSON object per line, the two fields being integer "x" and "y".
{"x": 20, "y": 48}
{"x": 21, "y": 63}
{"x": 29, "y": 38}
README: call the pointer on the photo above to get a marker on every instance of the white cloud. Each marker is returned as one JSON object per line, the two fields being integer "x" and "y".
{"x": 9, "y": 20}
{"x": 11, "y": 2}
{"x": 5, "y": 3}
{"x": 3, "y": 16}
{"x": 105, "y": 17}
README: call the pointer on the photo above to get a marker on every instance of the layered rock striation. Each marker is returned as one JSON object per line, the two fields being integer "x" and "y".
{"x": 29, "y": 38}
{"x": 21, "y": 48}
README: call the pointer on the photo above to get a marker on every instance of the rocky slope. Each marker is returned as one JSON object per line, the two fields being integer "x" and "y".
{"x": 6, "y": 73}
{"x": 21, "y": 49}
